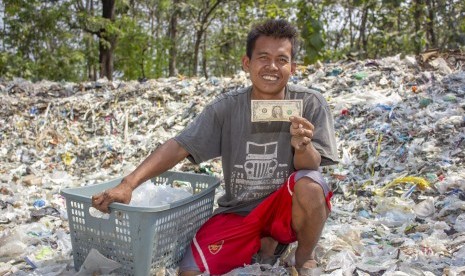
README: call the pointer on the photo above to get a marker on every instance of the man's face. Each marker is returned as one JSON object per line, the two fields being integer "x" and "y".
{"x": 270, "y": 67}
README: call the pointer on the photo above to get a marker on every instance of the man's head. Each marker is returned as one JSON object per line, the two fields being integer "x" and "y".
{"x": 269, "y": 60}
{"x": 276, "y": 28}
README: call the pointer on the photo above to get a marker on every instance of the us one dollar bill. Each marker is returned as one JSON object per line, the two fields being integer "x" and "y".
{"x": 275, "y": 110}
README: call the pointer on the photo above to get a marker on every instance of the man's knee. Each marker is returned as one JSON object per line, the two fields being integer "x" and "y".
{"x": 309, "y": 195}
{"x": 309, "y": 205}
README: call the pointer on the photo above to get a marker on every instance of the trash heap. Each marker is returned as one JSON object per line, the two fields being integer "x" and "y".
{"x": 399, "y": 200}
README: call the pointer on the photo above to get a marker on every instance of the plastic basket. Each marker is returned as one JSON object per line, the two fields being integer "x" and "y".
{"x": 141, "y": 239}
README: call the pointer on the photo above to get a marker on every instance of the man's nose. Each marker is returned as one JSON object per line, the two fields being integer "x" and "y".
{"x": 272, "y": 65}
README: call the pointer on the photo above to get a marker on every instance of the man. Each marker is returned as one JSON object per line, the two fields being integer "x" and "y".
{"x": 257, "y": 158}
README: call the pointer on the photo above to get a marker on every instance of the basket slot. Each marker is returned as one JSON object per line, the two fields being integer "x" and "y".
{"x": 200, "y": 186}
{"x": 160, "y": 180}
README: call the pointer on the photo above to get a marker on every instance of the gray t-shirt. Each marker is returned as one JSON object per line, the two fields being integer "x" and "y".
{"x": 257, "y": 157}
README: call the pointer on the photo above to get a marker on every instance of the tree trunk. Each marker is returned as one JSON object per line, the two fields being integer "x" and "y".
{"x": 351, "y": 35}
{"x": 89, "y": 45}
{"x": 430, "y": 23}
{"x": 418, "y": 18}
{"x": 362, "y": 40}
{"x": 198, "y": 40}
{"x": 203, "y": 22}
{"x": 173, "y": 30}
{"x": 340, "y": 36}
{"x": 204, "y": 56}
{"x": 105, "y": 50}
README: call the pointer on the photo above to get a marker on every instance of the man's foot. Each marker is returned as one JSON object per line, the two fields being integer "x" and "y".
{"x": 314, "y": 271}
{"x": 310, "y": 268}
{"x": 310, "y": 271}
{"x": 310, "y": 264}
{"x": 270, "y": 255}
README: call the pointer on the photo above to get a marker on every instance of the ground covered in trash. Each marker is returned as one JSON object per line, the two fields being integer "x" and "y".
{"x": 399, "y": 200}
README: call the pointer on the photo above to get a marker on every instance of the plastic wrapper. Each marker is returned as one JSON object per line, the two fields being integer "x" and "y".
{"x": 148, "y": 194}
{"x": 97, "y": 264}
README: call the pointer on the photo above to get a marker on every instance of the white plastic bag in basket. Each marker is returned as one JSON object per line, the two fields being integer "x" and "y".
{"x": 148, "y": 194}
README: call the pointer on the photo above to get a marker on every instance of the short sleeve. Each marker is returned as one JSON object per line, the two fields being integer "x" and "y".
{"x": 202, "y": 137}
{"x": 324, "y": 138}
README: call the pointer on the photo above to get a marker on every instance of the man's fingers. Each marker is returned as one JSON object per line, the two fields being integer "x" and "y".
{"x": 306, "y": 141}
{"x": 296, "y": 125}
{"x": 296, "y": 121}
{"x": 102, "y": 201}
{"x": 302, "y": 132}
{"x": 97, "y": 200}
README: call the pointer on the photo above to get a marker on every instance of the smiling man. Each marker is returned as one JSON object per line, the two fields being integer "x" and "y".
{"x": 270, "y": 65}
{"x": 274, "y": 192}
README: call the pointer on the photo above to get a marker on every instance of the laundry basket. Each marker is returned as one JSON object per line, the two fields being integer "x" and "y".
{"x": 142, "y": 239}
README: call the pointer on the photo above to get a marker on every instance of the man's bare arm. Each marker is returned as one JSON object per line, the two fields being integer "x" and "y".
{"x": 162, "y": 159}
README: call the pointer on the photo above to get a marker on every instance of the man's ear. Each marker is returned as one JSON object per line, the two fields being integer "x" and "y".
{"x": 293, "y": 67}
{"x": 245, "y": 63}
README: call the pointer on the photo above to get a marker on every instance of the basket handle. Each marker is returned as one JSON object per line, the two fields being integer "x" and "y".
{"x": 97, "y": 214}
{"x": 182, "y": 184}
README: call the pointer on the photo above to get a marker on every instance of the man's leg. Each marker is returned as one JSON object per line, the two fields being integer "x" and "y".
{"x": 223, "y": 243}
{"x": 187, "y": 266}
{"x": 267, "y": 250}
{"x": 190, "y": 273}
{"x": 309, "y": 214}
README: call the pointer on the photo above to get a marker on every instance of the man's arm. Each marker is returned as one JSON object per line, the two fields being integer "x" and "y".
{"x": 305, "y": 155}
{"x": 162, "y": 159}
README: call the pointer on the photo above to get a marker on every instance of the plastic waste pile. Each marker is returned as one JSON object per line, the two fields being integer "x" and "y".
{"x": 399, "y": 200}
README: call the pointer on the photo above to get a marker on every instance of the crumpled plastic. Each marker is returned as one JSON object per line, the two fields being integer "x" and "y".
{"x": 97, "y": 264}
{"x": 148, "y": 194}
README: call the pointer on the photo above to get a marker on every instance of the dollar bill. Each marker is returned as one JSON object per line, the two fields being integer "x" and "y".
{"x": 275, "y": 110}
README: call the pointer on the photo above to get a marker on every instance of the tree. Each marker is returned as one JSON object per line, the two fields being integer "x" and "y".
{"x": 418, "y": 15}
{"x": 38, "y": 42}
{"x": 107, "y": 41}
{"x": 173, "y": 32}
{"x": 135, "y": 39}
{"x": 104, "y": 28}
{"x": 203, "y": 15}
{"x": 431, "y": 9}
{"x": 311, "y": 31}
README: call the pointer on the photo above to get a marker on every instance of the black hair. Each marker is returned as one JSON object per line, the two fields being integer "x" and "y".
{"x": 276, "y": 28}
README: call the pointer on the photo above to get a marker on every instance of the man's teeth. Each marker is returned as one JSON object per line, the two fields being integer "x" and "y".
{"x": 272, "y": 78}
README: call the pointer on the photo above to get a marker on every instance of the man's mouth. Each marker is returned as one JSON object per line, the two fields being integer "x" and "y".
{"x": 270, "y": 77}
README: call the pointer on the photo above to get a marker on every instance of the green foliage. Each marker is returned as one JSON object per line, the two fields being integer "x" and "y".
{"x": 133, "y": 51}
{"x": 274, "y": 11}
{"x": 39, "y": 43}
{"x": 12, "y": 65}
{"x": 227, "y": 51}
{"x": 59, "y": 40}
{"x": 311, "y": 32}
{"x": 63, "y": 65}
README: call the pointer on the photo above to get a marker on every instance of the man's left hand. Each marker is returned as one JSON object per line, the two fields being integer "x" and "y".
{"x": 301, "y": 131}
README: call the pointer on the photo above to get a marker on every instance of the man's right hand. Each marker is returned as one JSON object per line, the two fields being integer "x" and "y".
{"x": 121, "y": 193}
{"x": 159, "y": 161}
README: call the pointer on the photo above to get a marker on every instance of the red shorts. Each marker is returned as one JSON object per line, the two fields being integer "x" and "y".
{"x": 227, "y": 241}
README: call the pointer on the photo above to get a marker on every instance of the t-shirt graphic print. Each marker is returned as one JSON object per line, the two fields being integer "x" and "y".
{"x": 260, "y": 173}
